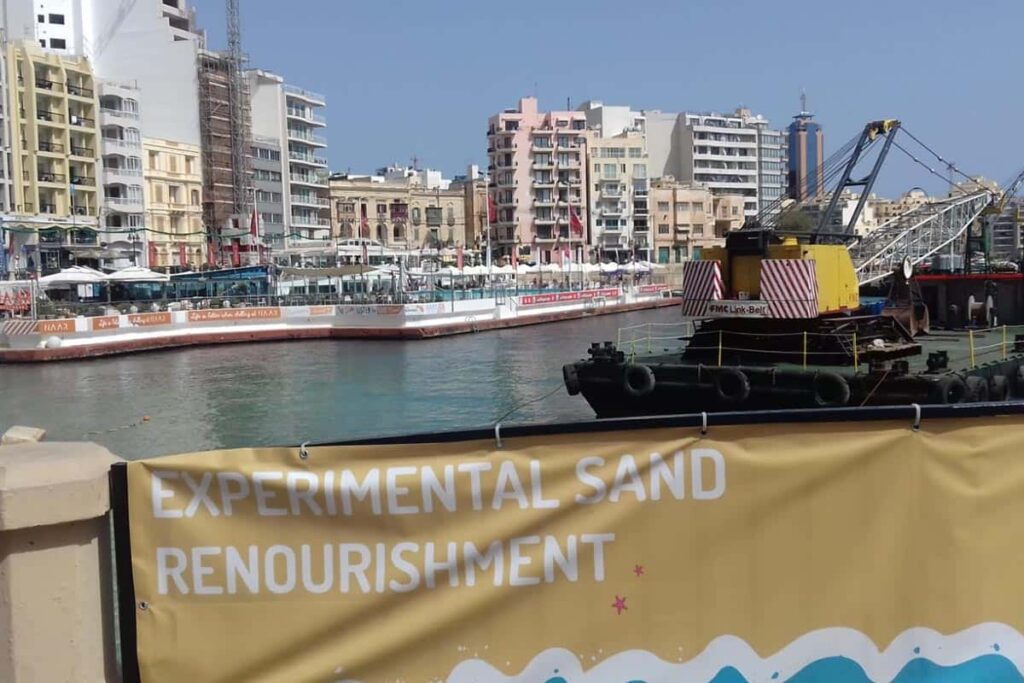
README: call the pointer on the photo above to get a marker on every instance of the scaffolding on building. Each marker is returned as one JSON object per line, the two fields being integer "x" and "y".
{"x": 226, "y": 133}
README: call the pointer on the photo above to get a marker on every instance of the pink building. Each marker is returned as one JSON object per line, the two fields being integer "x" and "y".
{"x": 539, "y": 177}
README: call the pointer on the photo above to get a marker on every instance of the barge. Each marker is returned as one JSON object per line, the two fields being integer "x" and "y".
{"x": 775, "y": 323}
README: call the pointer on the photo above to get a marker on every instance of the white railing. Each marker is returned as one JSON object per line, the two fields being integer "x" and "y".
{"x": 308, "y": 94}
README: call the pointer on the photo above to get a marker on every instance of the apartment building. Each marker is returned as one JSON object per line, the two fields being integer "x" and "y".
{"x": 538, "y": 170}
{"x": 174, "y": 202}
{"x": 294, "y": 116}
{"x": 736, "y": 153}
{"x": 398, "y": 214}
{"x": 124, "y": 208}
{"x": 54, "y": 154}
{"x": 609, "y": 120}
{"x": 473, "y": 186}
{"x": 270, "y": 198}
{"x": 618, "y": 196}
{"x": 690, "y": 217}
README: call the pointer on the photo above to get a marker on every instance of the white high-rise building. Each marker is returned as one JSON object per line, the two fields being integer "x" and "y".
{"x": 150, "y": 44}
{"x": 294, "y": 116}
{"x": 735, "y": 154}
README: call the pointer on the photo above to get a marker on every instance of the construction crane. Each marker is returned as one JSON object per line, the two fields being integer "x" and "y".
{"x": 980, "y": 233}
{"x": 237, "y": 98}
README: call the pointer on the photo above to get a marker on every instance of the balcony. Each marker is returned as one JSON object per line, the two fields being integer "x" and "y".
{"x": 614, "y": 192}
{"x": 51, "y": 117}
{"x": 51, "y": 147}
{"x": 544, "y": 201}
{"x": 307, "y": 116}
{"x": 83, "y": 180}
{"x": 48, "y": 208}
{"x": 310, "y": 222}
{"x": 85, "y": 152}
{"x": 46, "y": 84}
{"x": 308, "y": 179}
{"x": 121, "y": 143}
{"x": 308, "y": 95}
{"x": 543, "y": 165}
{"x": 310, "y": 200}
{"x": 509, "y": 182}
{"x": 50, "y": 177}
{"x": 79, "y": 91}
{"x": 120, "y": 173}
{"x": 569, "y": 163}
{"x": 304, "y": 158}
{"x": 544, "y": 220}
{"x": 109, "y": 112}
{"x": 305, "y": 136}
{"x": 124, "y": 203}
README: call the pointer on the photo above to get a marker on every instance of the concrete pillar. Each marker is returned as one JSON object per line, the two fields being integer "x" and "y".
{"x": 56, "y": 602}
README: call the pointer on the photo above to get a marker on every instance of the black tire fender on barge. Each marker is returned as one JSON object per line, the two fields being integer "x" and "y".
{"x": 829, "y": 390}
{"x": 998, "y": 388}
{"x": 948, "y": 390}
{"x": 571, "y": 379}
{"x": 977, "y": 389}
{"x": 638, "y": 380}
{"x": 731, "y": 385}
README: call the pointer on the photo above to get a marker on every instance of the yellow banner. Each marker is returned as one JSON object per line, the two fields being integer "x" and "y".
{"x": 838, "y": 552}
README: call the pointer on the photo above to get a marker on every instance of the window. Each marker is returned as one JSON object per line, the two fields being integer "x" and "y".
{"x": 416, "y": 219}
{"x": 635, "y": 153}
{"x": 451, "y": 215}
{"x": 154, "y": 159}
{"x": 639, "y": 170}
{"x": 175, "y": 224}
{"x": 268, "y": 197}
{"x": 662, "y": 254}
{"x": 58, "y": 43}
{"x": 195, "y": 197}
{"x": 610, "y": 170}
{"x": 615, "y": 152}
{"x": 433, "y": 216}
{"x": 172, "y": 164}
{"x": 189, "y": 163}
{"x": 158, "y": 194}
{"x": 173, "y": 194}
{"x": 663, "y": 228}
{"x": 57, "y": 19}
{"x": 698, "y": 228}
{"x": 735, "y": 210}
{"x": 41, "y": 18}
{"x": 663, "y": 206}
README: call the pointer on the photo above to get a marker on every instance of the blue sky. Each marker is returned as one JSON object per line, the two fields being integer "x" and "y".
{"x": 420, "y": 77}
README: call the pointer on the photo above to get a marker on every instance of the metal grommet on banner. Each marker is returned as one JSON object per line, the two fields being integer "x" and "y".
{"x": 143, "y": 605}
{"x": 303, "y": 453}
{"x": 703, "y": 424}
{"x": 917, "y": 417}
{"x": 497, "y": 435}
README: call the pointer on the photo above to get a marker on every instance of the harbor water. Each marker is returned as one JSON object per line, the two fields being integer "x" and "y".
{"x": 282, "y": 394}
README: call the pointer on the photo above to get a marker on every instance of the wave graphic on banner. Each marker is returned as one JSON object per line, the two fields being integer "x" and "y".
{"x": 986, "y": 652}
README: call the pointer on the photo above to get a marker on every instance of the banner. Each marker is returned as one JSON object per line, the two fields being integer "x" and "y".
{"x": 833, "y": 552}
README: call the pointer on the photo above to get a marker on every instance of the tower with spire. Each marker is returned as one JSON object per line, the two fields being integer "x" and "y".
{"x": 806, "y": 155}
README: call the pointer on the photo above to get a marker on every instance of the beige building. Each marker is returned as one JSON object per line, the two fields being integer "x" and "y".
{"x": 174, "y": 205}
{"x": 398, "y": 214}
{"x": 619, "y": 188}
{"x": 54, "y": 155}
{"x": 886, "y": 209}
{"x": 474, "y": 196}
{"x": 689, "y": 218}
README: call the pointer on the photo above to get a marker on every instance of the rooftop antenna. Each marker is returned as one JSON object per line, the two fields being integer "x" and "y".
{"x": 415, "y": 162}
{"x": 803, "y": 101}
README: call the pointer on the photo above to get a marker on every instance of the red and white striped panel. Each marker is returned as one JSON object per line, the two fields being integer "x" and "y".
{"x": 790, "y": 287}
{"x": 17, "y": 328}
{"x": 702, "y": 282}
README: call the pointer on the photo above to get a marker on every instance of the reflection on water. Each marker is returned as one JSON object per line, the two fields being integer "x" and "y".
{"x": 286, "y": 393}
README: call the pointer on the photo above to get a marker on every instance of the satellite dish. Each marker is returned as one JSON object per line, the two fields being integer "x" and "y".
{"x": 907, "y": 268}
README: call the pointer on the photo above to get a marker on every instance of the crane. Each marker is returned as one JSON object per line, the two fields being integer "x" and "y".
{"x": 979, "y": 234}
{"x": 237, "y": 102}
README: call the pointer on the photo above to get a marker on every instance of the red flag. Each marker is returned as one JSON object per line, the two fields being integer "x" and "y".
{"x": 364, "y": 224}
{"x": 182, "y": 259}
{"x": 575, "y": 224}
{"x": 366, "y": 254}
{"x": 254, "y": 225}
{"x": 459, "y": 258}
{"x": 152, "y": 255}
{"x": 236, "y": 256}
{"x": 515, "y": 257}
{"x": 492, "y": 210}
{"x": 211, "y": 253}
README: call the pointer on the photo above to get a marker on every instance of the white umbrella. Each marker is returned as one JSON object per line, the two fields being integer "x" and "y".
{"x": 504, "y": 270}
{"x": 73, "y": 275}
{"x": 137, "y": 274}
{"x": 475, "y": 270}
{"x": 609, "y": 267}
{"x": 552, "y": 268}
{"x": 591, "y": 268}
{"x": 528, "y": 269}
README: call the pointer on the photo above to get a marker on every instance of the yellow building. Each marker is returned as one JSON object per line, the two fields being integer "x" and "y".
{"x": 55, "y": 153}
{"x": 689, "y": 218}
{"x": 174, "y": 204}
{"x": 399, "y": 214}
